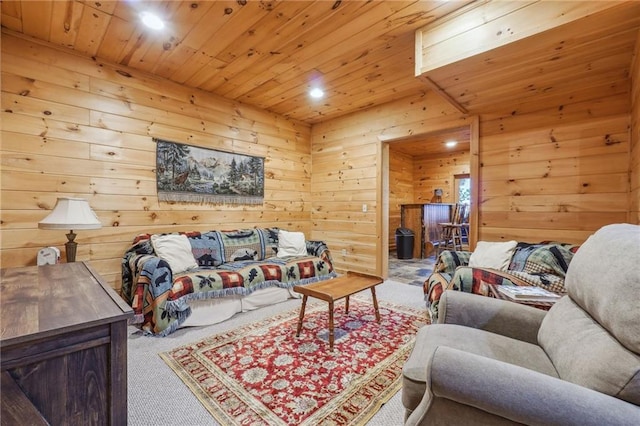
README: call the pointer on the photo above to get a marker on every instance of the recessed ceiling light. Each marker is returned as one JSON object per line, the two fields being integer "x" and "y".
{"x": 316, "y": 93}
{"x": 152, "y": 20}
{"x": 450, "y": 144}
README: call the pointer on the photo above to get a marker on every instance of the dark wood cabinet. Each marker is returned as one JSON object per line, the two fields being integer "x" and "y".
{"x": 63, "y": 347}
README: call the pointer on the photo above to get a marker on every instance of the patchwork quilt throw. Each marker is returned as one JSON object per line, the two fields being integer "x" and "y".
{"x": 262, "y": 374}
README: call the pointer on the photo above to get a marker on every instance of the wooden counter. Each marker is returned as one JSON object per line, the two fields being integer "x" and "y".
{"x": 423, "y": 219}
{"x": 64, "y": 344}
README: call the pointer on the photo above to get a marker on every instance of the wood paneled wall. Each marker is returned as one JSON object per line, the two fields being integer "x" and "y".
{"x": 401, "y": 187}
{"x": 547, "y": 171}
{"x": 76, "y": 127}
{"x": 438, "y": 171}
{"x": 559, "y": 172}
{"x": 72, "y": 126}
{"x": 634, "y": 201}
{"x": 346, "y": 156}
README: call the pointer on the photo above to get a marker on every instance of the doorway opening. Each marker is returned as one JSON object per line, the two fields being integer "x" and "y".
{"x": 463, "y": 186}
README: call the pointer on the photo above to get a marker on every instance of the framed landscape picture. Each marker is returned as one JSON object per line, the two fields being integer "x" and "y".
{"x": 189, "y": 173}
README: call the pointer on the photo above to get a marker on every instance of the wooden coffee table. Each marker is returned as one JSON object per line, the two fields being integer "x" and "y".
{"x": 335, "y": 289}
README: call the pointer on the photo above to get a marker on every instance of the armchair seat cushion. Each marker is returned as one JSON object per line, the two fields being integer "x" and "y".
{"x": 476, "y": 341}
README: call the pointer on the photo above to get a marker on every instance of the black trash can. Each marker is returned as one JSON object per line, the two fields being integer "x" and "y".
{"x": 404, "y": 243}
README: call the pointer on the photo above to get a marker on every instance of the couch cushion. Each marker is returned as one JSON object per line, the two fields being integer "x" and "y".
{"x": 242, "y": 244}
{"x": 467, "y": 339}
{"x": 544, "y": 264}
{"x": 492, "y": 255}
{"x": 583, "y": 352}
{"x": 245, "y": 277}
{"x": 291, "y": 244}
{"x": 270, "y": 238}
{"x": 206, "y": 248}
{"x": 175, "y": 250}
{"x": 604, "y": 280}
{"x": 547, "y": 257}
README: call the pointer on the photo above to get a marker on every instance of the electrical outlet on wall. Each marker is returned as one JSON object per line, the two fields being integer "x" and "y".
{"x": 344, "y": 252}
{"x": 364, "y": 208}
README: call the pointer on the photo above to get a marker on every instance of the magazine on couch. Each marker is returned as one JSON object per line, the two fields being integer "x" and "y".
{"x": 528, "y": 293}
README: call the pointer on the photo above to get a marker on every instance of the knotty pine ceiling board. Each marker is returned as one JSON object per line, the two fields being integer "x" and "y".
{"x": 268, "y": 53}
{"x": 434, "y": 143}
{"x": 547, "y": 69}
{"x": 265, "y": 53}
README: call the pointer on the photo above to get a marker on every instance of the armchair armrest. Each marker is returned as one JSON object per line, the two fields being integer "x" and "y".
{"x": 498, "y": 316}
{"x": 528, "y": 397}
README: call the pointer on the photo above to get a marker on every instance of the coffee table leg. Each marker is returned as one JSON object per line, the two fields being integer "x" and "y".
{"x": 331, "y": 326}
{"x": 375, "y": 303}
{"x": 346, "y": 305}
{"x": 304, "y": 305}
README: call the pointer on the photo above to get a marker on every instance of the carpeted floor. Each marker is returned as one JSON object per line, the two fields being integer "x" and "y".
{"x": 410, "y": 271}
{"x": 157, "y": 396}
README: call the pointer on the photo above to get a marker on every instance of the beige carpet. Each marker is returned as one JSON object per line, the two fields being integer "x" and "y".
{"x": 157, "y": 396}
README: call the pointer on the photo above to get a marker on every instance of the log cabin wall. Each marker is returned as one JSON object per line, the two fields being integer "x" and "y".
{"x": 551, "y": 172}
{"x": 401, "y": 189}
{"x": 75, "y": 127}
{"x": 556, "y": 173}
{"x": 439, "y": 171}
{"x": 634, "y": 201}
{"x": 346, "y": 156}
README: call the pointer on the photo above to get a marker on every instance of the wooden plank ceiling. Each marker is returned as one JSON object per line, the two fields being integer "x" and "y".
{"x": 434, "y": 143}
{"x": 270, "y": 53}
{"x": 568, "y": 61}
{"x": 265, "y": 53}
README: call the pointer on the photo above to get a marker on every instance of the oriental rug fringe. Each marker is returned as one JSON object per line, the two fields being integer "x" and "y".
{"x": 262, "y": 374}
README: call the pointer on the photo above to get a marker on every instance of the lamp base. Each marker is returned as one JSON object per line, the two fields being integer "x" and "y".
{"x": 71, "y": 247}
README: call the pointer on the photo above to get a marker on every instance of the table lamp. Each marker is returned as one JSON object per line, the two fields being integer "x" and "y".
{"x": 71, "y": 213}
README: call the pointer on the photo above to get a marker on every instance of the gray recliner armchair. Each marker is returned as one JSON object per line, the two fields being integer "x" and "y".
{"x": 490, "y": 361}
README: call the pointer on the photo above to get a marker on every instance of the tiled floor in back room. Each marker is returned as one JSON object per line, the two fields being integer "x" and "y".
{"x": 410, "y": 271}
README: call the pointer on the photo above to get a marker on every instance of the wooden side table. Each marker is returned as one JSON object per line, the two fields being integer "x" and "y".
{"x": 63, "y": 347}
{"x": 336, "y": 289}
{"x": 491, "y": 291}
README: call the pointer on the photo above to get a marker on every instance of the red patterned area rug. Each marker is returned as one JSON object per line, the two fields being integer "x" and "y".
{"x": 261, "y": 374}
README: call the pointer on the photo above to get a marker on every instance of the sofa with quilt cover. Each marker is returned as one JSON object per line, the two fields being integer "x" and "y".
{"x": 200, "y": 278}
{"x": 510, "y": 263}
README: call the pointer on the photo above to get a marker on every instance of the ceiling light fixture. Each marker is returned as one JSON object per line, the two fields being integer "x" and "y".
{"x": 450, "y": 144}
{"x": 152, "y": 20}
{"x": 316, "y": 93}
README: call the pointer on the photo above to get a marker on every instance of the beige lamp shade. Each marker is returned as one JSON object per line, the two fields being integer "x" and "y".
{"x": 71, "y": 213}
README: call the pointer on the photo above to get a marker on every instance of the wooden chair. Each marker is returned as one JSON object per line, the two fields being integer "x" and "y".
{"x": 451, "y": 233}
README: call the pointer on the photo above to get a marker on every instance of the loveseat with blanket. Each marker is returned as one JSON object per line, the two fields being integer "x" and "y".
{"x": 543, "y": 264}
{"x": 200, "y": 278}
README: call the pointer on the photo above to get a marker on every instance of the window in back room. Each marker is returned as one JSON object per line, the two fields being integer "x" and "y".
{"x": 463, "y": 196}
{"x": 463, "y": 188}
